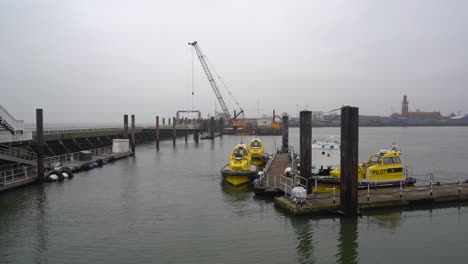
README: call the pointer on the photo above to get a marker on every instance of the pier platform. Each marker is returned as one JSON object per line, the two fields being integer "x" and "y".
{"x": 21, "y": 176}
{"x": 410, "y": 197}
{"x": 270, "y": 184}
{"x": 208, "y": 136}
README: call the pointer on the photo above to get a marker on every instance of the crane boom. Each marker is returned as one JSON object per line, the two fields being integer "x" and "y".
{"x": 201, "y": 57}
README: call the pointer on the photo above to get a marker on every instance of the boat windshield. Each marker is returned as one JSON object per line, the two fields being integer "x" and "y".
{"x": 375, "y": 160}
{"x": 391, "y": 160}
{"x": 240, "y": 152}
{"x": 255, "y": 144}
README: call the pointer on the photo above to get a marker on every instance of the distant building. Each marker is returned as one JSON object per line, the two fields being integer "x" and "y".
{"x": 415, "y": 115}
{"x": 317, "y": 115}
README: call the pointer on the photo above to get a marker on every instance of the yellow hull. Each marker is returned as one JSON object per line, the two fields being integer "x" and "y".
{"x": 258, "y": 162}
{"x": 237, "y": 180}
{"x": 326, "y": 188}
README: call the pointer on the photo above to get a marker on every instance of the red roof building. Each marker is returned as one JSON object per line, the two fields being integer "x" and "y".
{"x": 415, "y": 115}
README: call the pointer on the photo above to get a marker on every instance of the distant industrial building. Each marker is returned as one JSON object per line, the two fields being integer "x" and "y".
{"x": 418, "y": 115}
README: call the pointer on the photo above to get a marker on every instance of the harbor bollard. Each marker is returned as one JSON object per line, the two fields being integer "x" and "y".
{"x": 334, "y": 194}
{"x": 401, "y": 189}
{"x": 431, "y": 187}
{"x": 368, "y": 190}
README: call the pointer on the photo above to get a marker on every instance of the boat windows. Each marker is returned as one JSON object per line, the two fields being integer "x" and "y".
{"x": 240, "y": 152}
{"x": 396, "y": 160}
{"x": 388, "y": 160}
{"x": 375, "y": 159}
{"x": 256, "y": 144}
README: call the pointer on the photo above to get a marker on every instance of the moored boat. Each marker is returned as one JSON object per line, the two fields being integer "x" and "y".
{"x": 240, "y": 169}
{"x": 257, "y": 151}
{"x": 382, "y": 169}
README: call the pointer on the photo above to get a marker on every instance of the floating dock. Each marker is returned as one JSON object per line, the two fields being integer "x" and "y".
{"x": 372, "y": 199}
{"x": 274, "y": 183}
{"x": 17, "y": 177}
{"x": 271, "y": 183}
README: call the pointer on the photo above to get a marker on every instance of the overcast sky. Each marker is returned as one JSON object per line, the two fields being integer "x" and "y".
{"x": 93, "y": 61}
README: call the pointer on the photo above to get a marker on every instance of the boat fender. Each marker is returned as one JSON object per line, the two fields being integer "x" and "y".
{"x": 287, "y": 171}
{"x": 55, "y": 175}
{"x": 99, "y": 163}
{"x": 67, "y": 173}
{"x": 91, "y": 165}
{"x": 84, "y": 166}
{"x": 255, "y": 181}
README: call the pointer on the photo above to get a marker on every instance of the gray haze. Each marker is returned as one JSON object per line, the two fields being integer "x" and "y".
{"x": 92, "y": 61}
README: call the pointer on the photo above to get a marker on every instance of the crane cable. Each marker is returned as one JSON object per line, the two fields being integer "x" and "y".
{"x": 219, "y": 77}
{"x": 193, "y": 77}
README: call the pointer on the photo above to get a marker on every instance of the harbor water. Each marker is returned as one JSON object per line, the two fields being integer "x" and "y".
{"x": 172, "y": 206}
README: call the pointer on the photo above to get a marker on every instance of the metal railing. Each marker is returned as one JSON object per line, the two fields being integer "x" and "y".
{"x": 288, "y": 183}
{"x": 17, "y": 153}
{"x": 69, "y": 130}
{"x": 431, "y": 190}
{"x": 49, "y": 131}
{"x": 13, "y": 175}
{"x": 76, "y": 155}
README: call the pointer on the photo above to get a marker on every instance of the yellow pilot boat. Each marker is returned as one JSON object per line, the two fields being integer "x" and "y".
{"x": 382, "y": 169}
{"x": 240, "y": 169}
{"x": 257, "y": 152}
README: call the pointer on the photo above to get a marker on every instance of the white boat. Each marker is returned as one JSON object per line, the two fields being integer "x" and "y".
{"x": 325, "y": 155}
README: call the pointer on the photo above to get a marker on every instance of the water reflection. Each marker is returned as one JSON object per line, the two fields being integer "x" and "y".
{"x": 389, "y": 220}
{"x": 237, "y": 193}
{"x": 42, "y": 231}
{"x": 305, "y": 244}
{"x": 238, "y": 197}
{"x": 347, "y": 241}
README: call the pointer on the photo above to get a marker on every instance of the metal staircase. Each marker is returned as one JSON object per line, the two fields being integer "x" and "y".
{"x": 11, "y": 129}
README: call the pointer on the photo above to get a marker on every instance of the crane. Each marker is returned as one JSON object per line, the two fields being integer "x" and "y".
{"x": 204, "y": 64}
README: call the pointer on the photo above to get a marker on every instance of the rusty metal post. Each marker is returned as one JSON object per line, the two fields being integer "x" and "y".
{"x": 164, "y": 121}
{"x": 212, "y": 124}
{"x": 174, "y": 132}
{"x": 349, "y": 160}
{"x": 133, "y": 134}
{"x": 40, "y": 146}
{"x": 221, "y": 126}
{"x": 305, "y": 134}
{"x": 125, "y": 132}
{"x": 157, "y": 132}
{"x": 285, "y": 145}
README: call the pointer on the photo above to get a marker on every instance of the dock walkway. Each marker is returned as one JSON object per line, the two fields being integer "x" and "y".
{"x": 326, "y": 203}
{"x": 271, "y": 182}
